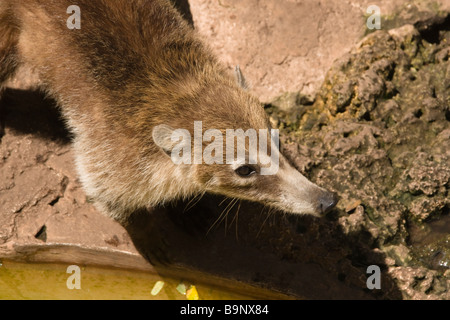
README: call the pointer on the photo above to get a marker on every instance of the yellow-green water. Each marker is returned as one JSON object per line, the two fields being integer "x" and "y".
{"x": 49, "y": 281}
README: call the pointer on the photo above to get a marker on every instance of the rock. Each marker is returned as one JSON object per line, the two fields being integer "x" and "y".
{"x": 286, "y": 102}
{"x": 420, "y": 284}
{"x": 400, "y": 254}
{"x": 378, "y": 132}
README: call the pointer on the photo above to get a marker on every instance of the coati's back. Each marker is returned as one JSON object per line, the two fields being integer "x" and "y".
{"x": 133, "y": 66}
{"x": 121, "y": 44}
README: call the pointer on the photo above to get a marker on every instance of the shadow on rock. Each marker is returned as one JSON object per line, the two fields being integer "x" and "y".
{"x": 297, "y": 255}
{"x": 31, "y": 112}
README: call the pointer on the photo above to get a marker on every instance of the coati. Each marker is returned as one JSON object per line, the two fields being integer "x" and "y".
{"x": 130, "y": 75}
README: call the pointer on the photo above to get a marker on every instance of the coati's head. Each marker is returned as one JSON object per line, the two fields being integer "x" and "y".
{"x": 232, "y": 151}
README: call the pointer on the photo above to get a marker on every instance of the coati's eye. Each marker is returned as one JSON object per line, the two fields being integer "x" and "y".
{"x": 245, "y": 171}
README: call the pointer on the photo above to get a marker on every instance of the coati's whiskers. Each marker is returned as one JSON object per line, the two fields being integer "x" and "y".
{"x": 236, "y": 218}
{"x": 194, "y": 201}
{"x": 268, "y": 214}
{"x": 224, "y": 213}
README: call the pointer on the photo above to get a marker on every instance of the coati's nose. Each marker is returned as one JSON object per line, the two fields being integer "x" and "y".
{"x": 327, "y": 201}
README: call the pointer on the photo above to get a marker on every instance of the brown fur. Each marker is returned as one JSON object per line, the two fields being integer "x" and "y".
{"x": 135, "y": 64}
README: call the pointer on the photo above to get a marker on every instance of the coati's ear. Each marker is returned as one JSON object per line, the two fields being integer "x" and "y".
{"x": 162, "y": 136}
{"x": 169, "y": 139}
{"x": 240, "y": 78}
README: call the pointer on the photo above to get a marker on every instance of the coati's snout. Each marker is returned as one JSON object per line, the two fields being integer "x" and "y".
{"x": 301, "y": 196}
{"x": 287, "y": 190}
{"x": 326, "y": 201}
